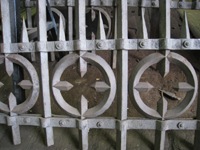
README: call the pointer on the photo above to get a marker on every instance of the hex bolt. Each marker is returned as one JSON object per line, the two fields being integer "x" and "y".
{"x": 153, "y": 4}
{"x": 99, "y": 45}
{"x": 141, "y": 44}
{"x": 27, "y": 120}
{"x": 62, "y": 122}
{"x": 22, "y": 47}
{"x": 185, "y": 44}
{"x": 99, "y": 124}
{"x": 59, "y": 46}
{"x": 180, "y": 125}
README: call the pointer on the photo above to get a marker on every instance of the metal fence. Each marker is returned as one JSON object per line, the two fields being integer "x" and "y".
{"x": 82, "y": 117}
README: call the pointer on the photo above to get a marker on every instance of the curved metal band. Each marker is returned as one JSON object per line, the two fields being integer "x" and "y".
{"x": 33, "y": 96}
{"x": 153, "y": 59}
{"x": 109, "y": 77}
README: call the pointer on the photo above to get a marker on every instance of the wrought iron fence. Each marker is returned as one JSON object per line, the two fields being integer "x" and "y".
{"x": 82, "y": 117}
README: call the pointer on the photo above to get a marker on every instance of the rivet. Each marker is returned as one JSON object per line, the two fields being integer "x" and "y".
{"x": 153, "y": 4}
{"x": 99, "y": 124}
{"x": 62, "y": 122}
{"x": 141, "y": 44}
{"x": 59, "y": 46}
{"x": 180, "y": 125}
{"x": 99, "y": 45}
{"x": 22, "y": 47}
{"x": 27, "y": 120}
{"x": 56, "y": 3}
{"x": 185, "y": 44}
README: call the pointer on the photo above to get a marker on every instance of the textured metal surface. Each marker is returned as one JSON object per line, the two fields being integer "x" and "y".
{"x": 82, "y": 116}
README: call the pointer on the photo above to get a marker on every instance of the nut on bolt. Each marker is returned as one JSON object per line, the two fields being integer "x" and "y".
{"x": 99, "y": 45}
{"x": 153, "y": 4}
{"x": 180, "y": 125}
{"x": 185, "y": 44}
{"x": 27, "y": 120}
{"x": 141, "y": 44}
{"x": 22, "y": 47}
{"x": 59, "y": 46}
{"x": 62, "y": 122}
{"x": 99, "y": 124}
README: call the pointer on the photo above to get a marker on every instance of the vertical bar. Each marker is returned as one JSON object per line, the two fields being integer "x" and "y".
{"x": 28, "y": 14}
{"x": 70, "y": 23}
{"x": 197, "y": 132}
{"x": 114, "y": 59}
{"x": 17, "y": 75}
{"x": 81, "y": 36}
{"x": 160, "y": 140}
{"x": 165, "y": 20}
{"x": 42, "y": 38}
{"x": 30, "y": 25}
{"x": 164, "y": 65}
{"x": 15, "y": 128}
{"x": 83, "y": 139}
{"x": 122, "y": 72}
{"x": 6, "y": 29}
{"x": 81, "y": 33}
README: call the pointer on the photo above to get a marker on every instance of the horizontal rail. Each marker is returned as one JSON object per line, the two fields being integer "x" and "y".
{"x": 126, "y": 44}
{"x": 101, "y": 123}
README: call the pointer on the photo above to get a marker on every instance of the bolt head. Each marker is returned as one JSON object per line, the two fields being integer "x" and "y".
{"x": 99, "y": 124}
{"x": 62, "y": 122}
{"x": 99, "y": 45}
{"x": 153, "y": 4}
{"x": 27, "y": 120}
{"x": 141, "y": 44}
{"x": 185, "y": 44}
{"x": 22, "y": 47}
{"x": 180, "y": 125}
{"x": 59, "y": 46}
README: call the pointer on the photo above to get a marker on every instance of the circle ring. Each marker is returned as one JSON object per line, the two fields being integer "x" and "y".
{"x": 153, "y": 59}
{"x": 109, "y": 77}
{"x": 34, "y": 93}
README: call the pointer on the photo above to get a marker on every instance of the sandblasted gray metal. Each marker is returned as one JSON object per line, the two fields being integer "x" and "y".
{"x": 81, "y": 117}
{"x": 153, "y": 59}
{"x": 108, "y": 76}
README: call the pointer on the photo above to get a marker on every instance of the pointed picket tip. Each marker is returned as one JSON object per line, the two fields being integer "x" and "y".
{"x": 93, "y": 36}
{"x": 25, "y": 84}
{"x": 24, "y": 35}
{"x": 164, "y": 65}
{"x": 183, "y": 87}
{"x": 1, "y": 84}
{"x": 162, "y": 106}
{"x": 100, "y": 30}
{"x": 61, "y": 32}
{"x": 12, "y": 101}
{"x": 93, "y": 15}
{"x": 100, "y": 86}
{"x": 9, "y": 67}
{"x": 143, "y": 28}
{"x": 143, "y": 87}
{"x": 185, "y": 31}
{"x": 63, "y": 86}
{"x": 2, "y": 57}
{"x": 82, "y": 67}
{"x": 82, "y": 105}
